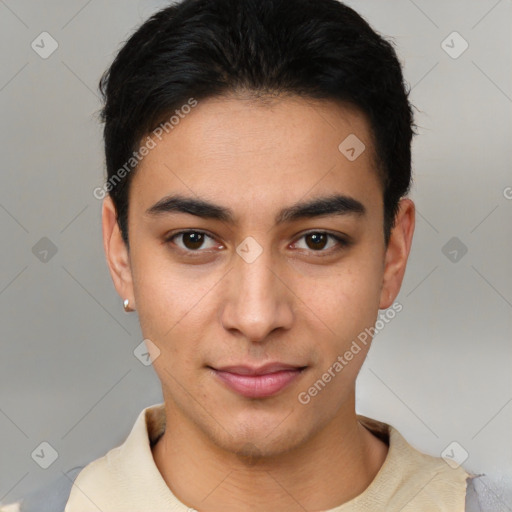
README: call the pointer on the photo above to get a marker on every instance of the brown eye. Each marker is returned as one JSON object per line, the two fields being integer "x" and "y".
{"x": 192, "y": 241}
{"x": 316, "y": 241}
{"x": 321, "y": 242}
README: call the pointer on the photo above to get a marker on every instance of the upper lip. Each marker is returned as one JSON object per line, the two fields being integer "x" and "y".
{"x": 243, "y": 369}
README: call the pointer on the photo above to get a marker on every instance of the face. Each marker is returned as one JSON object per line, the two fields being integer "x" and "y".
{"x": 256, "y": 258}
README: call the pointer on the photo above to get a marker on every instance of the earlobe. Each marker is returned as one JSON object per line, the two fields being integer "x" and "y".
{"x": 397, "y": 252}
{"x": 116, "y": 252}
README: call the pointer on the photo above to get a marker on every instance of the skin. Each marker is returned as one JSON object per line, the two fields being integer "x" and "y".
{"x": 220, "y": 450}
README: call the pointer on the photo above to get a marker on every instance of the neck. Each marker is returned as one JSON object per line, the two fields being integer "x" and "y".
{"x": 332, "y": 467}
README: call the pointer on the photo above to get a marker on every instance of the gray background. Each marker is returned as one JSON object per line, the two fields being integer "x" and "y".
{"x": 439, "y": 372}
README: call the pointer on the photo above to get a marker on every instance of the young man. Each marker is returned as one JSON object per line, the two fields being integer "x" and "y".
{"x": 258, "y": 157}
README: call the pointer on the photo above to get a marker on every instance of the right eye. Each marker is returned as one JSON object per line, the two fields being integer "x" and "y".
{"x": 191, "y": 240}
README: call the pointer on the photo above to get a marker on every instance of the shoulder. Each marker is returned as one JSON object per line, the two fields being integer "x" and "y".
{"x": 50, "y": 498}
{"x": 99, "y": 477}
{"x": 112, "y": 477}
{"x": 483, "y": 496}
{"x": 472, "y": 502}
{"x": 421, "y": 481}
{"x": 54, "y": 497}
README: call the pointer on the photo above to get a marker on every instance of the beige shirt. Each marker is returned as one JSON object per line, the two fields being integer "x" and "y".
{"x": 127, "y": 479}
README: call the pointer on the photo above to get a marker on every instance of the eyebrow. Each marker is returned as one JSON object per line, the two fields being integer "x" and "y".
{"x": 335, "y": 204}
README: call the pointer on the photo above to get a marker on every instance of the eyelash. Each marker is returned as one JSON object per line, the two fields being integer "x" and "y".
{"x": 342, "y": 242}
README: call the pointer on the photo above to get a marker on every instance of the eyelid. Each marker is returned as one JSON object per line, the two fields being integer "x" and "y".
{"x": 169, "y": 239}
{"x": 342, "y": 241}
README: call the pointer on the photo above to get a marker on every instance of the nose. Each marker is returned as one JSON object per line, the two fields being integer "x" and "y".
{"x": 258, "y": 300}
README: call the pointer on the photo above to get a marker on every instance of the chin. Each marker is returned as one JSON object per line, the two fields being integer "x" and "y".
{"x": 263, "y": 438}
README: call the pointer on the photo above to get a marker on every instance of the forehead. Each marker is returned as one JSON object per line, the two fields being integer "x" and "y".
{"x": 241, "y": 151}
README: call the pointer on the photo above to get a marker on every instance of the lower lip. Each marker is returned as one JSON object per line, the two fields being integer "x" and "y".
{"x": 258, "y": 386}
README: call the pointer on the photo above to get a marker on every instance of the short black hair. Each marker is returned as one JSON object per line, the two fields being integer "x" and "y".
{"x": 197, "y": 49}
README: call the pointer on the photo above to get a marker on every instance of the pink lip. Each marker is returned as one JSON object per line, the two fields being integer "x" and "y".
{"x": 259, "y": 382}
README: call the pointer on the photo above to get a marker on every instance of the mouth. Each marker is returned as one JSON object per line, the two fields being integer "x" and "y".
{"x": 258, "y": 382}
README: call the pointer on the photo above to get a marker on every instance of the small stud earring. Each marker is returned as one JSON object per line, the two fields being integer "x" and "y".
{"x": 126, "y": 303}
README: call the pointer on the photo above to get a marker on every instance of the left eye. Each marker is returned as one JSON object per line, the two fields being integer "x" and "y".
{"x": 318, "y": 241}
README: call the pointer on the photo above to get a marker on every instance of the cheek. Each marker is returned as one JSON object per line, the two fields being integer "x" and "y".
{"x": 346, "y": 299}
{"x": 166, "y": 292}
{"x": 170, "y": 303}
{"x": 341, "y": 311}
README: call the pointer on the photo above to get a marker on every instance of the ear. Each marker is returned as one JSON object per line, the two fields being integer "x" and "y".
{"x": 116, "y": 252}
{"x": 397, "y": 253}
